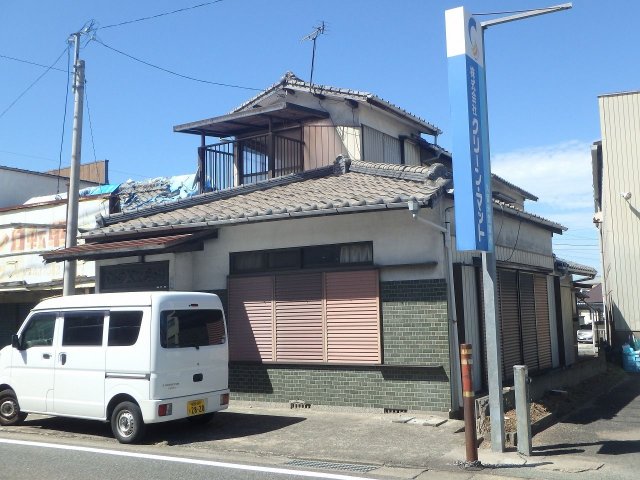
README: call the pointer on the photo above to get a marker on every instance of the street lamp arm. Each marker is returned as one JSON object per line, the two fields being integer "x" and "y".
{"x": 520, "y": 16}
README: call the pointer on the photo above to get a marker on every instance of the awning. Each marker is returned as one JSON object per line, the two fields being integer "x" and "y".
{"x": 185, "y": 242}
{"x": 251, "y": 120}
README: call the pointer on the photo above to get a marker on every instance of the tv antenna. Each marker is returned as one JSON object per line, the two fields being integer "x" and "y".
{"x": 319, "y": 30}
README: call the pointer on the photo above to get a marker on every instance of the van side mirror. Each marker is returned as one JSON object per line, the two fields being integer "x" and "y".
{"x": 15, "y": 342}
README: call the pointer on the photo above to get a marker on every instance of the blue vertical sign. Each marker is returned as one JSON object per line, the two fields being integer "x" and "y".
{"x": 471, "y": 165}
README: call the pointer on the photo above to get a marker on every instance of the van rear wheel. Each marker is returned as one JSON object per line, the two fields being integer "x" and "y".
{"x": 10, "y": 413}
{"x": 126, "y": 423}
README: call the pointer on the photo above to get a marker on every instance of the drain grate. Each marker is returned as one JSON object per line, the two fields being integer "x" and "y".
{"x": 349, "y": 467}
{"x": 299, "y": 404}
{"x": 394, "y": 410}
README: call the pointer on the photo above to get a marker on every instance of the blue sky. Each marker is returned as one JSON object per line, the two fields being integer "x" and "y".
{"x": 544, "y": 75}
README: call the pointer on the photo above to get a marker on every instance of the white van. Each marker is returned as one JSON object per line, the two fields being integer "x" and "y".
{"x": 126, "y": 358}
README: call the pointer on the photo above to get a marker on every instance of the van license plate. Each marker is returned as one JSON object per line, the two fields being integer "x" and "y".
{"x": 195, "y": 407}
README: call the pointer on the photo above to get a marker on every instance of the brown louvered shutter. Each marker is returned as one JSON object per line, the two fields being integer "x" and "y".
{"x": 251, "y": 319}
{"x": 353, "y": 317}
{"x": 299, "y": 321}
{"x": 509, "y": 322}
{"x": 528, "y": 322}
{"x": 543, "y": 324}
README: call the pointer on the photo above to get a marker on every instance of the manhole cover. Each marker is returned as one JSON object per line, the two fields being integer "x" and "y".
{"x": 349, "y": 467}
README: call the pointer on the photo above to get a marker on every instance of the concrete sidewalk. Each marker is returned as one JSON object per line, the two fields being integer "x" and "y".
{"x": 373, "y": 445}
{"x": 419, "y": 445}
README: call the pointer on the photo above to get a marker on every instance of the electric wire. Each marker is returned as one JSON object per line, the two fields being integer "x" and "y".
{"x": 64, "y": 117}
{"x": 15, "y": 59}
{"x": 516, "y": 243}
{"x": 33, "y": 83}
{"x": 93, "y": 145}
{"x": 172, "y": 72}
{"x": 160, "y": 15}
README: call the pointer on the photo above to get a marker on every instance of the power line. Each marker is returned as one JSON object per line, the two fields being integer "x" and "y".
{"x": 160, "y": 15}
{"x": 175, "y": 73}
{"x": 64, "y": 117}
{"x": 93, "y": 145}
{"x": 15, "y": 59}
{"x": 33, "y": 83}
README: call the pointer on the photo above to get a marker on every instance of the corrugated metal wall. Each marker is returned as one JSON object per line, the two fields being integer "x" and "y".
{"x": 380, "y": 147}
{"x": 620, "y": 128}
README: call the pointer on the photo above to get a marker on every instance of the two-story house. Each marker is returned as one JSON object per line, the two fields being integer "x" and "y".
{"x": 335, "y": 294}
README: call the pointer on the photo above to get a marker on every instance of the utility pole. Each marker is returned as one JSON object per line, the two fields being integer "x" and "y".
{"x": 69, "y": 282}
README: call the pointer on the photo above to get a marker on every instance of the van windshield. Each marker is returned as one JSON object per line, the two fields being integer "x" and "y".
{"x": 191, "y": 328}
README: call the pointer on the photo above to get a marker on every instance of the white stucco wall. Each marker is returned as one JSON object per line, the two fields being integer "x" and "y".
{"x": 397, "y": 239}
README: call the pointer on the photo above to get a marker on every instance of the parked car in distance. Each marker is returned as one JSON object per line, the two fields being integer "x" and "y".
{"x": 585, "y": 333}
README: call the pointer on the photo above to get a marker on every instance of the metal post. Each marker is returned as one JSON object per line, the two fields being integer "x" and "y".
{"x": 523, "y": 413}
{"x": 471, "y": 439}
{"x": 494, "y": 354}
{"x": 69, "y": 281}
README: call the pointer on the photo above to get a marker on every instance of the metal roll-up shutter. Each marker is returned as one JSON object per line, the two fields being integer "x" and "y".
{"x": 545, "y": 358}
{"x": 509, "y": 321}
{"x": 250, "y": 319}
{"x": 299, "y": 318}
{"x": 528, "y": 321}
{"x": 353, "y": 317}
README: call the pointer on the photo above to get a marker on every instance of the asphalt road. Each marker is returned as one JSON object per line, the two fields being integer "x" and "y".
{"x": 607, "y": 431}
{"x": 29, "y": 459}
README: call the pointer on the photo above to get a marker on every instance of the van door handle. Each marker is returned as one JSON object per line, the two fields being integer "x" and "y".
{"x": 46, "y": 356}
{"x": 63, "y": 358}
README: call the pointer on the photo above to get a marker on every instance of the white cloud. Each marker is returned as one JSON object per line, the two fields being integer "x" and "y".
{"x": 560, "y": 176}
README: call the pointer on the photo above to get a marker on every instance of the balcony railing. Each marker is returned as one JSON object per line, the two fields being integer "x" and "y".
{"x": 249, "y": 160}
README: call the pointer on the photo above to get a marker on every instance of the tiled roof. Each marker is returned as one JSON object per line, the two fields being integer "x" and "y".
{"x": 121, "y": 248}
{"x": 575, "y": 268}
{"x": 511, "y": 209}
{"x": 291, "y": 81}
{"x": 524, "y": 193}
{"x": 348, "y": 186}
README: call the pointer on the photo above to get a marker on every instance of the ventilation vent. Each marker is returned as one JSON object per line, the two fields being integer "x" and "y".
{"x": 394, "y": 410}
{"x": 350, "y": 467}
{"x": 299, "y": 404}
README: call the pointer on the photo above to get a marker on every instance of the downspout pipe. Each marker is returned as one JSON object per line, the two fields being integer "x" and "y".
{"x": 454, "y": 358}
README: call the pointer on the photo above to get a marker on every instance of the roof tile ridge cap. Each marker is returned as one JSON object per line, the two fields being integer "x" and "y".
{"x": 284, "y": 80}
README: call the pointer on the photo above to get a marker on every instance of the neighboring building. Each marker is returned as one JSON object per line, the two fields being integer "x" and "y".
{"x": 27, "y": 231}
{"x": 590, "y": 305}
{"x": 616, "y": 181}
{"x": 39, "y": 225}
{"x": 18, "y": 185}
{"x": 334, "y": 294}
{"x": 97, "y": 172}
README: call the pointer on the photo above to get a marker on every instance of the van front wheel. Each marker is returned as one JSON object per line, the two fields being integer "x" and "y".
{"x": 126, "y": 423}
{"x": 10, "y": 413}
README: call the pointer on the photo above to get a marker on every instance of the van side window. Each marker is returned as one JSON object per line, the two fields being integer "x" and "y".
{"x": 83, "y": 329}
{"x": 39, "y": 331}
{"x": 191, "y": 328}
{"x": 124, "y": 328}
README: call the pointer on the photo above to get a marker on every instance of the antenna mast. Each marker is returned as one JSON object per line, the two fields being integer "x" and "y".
{"x": 319, "y": 30}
